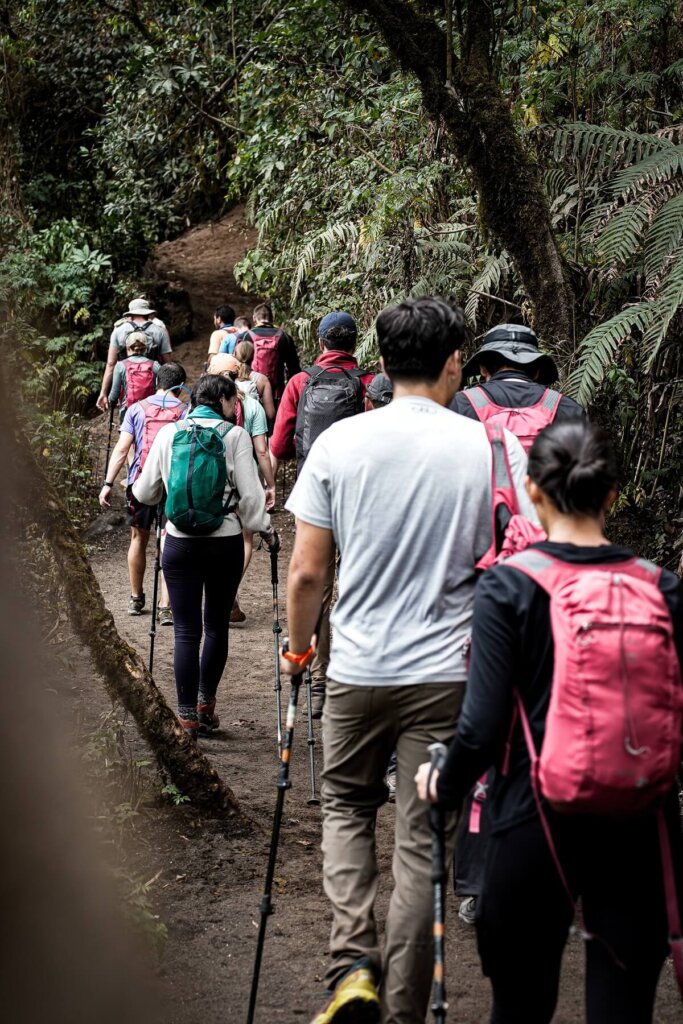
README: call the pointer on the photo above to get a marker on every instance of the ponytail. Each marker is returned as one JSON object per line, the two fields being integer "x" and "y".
{"x": 244, "y": 353}
{"x": 575, "y": 465}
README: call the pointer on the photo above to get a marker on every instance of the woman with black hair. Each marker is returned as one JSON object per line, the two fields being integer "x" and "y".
{"x": 613, "y": 864}
{"x": 206, "y": 568}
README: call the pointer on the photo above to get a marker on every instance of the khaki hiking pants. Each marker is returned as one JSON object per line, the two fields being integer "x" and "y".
{"x": 321, "y": 658}
{"x": 362, "y": 725}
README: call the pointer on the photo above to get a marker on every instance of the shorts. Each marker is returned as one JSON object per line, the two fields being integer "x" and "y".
{"x": 139, "y": 515}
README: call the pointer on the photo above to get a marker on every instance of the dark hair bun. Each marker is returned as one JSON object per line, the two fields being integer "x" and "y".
{"x": 574, "y": 464}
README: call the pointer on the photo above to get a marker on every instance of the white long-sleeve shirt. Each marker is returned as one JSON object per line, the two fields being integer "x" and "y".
{"x": 242, "y": 477}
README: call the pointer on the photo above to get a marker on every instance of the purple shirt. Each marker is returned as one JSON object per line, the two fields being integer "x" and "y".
{"x": 134, "y": 421}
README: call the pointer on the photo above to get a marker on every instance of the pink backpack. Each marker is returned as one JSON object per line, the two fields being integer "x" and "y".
{"x": 525, "y": 423}
{"x": 612, "y": 742}
{"x": 519, "y": 532}
{"x": 140, "y": 381}
{"x": 267, "y": 357}
{"x": 156, "y": 417}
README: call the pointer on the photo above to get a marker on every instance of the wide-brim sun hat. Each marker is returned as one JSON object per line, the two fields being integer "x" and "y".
{"x": 517, "y": 343}
{"x": 139, "y": 307}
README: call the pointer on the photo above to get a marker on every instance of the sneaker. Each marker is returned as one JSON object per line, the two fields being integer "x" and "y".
{"x": 354, "y": 1000}
{"x": 390, "y": 783}
{"x": 237, "y": 616}
{"x": 136, "y": 604}
{"x": 468, "y": 909}
{"x": 164, "y": 616}
{"x": 208, "y": 720}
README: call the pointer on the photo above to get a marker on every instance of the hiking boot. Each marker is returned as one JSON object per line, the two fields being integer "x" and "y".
{"x": 390, "y": 783}
{"x": 164, "y": 616}
{"x": 208, "y": 721}
{"x": 136, "y": 604}
{"x": 237, "y": 616}
{"x": 191, "y": 727}
{"x": 354, "y": 1000}
{"x": 468, "y": 909}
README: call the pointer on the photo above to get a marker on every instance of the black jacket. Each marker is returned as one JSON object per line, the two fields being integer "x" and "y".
{"x": 515, "y": 390}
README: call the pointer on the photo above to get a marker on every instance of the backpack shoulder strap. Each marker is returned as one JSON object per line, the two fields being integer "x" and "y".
{"x": 477, "y": 398}
{"x": 550, "y": 400}
{"x": 535, "y": 564}
{"x": 502, "y": 474}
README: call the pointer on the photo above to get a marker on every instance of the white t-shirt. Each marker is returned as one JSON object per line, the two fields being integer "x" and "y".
{"x": 406, "y": 490}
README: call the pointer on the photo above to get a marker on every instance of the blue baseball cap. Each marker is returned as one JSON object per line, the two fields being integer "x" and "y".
{"x": 336, "y": 326}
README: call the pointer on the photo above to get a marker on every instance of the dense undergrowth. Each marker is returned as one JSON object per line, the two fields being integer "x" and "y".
{"x": 125, "y": 123}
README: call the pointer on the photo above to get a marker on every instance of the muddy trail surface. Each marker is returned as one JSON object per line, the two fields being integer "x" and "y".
{"x": 210, "y": 876}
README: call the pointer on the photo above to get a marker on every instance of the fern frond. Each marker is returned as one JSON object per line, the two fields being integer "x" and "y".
{"x": 623, "y": 233}
{"x": 607, "y": 147}
{"x": 665, "y": 234}
{"x": 599, "y": 347}
{"x": 665, "y": 307}
{"x": 342, "y": 233}
{"x": 487, "y": 280}
{"x": 651, "y": 170}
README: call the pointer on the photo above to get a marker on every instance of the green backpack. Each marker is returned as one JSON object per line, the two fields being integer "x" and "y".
{"x": 197, "y": 478}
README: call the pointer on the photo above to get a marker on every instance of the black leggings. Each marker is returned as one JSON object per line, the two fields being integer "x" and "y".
{"x": 196, "y": 568}
{"x": 523, "y": 917}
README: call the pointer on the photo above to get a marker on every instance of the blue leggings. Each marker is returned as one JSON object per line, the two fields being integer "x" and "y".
{"x": 196, "y": 568}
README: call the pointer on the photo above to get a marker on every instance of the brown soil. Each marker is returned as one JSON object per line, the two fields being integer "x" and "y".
{"x": 209, "y": 888}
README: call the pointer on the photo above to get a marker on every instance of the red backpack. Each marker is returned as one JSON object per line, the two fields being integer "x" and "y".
{"x": 612, "y": 743}
{"x": 140, "y": 382}
{"x": 511, "y": 532}
{"x": 267, "y": 357}
{"x": 525, "y": 423}
{"x": 156, "y": 417}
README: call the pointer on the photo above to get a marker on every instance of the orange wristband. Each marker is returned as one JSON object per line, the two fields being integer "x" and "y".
{"x": 300, "y": 660}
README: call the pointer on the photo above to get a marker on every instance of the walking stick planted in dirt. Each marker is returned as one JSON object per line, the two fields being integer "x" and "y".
{"x": 155, "y": 596}
{"x": 313, "y": 801}
{"x": 283, "y": 784}
{"x": 277, "y": 629}
{"x": 111, "y": 424}
{"x": 437, "y": 754}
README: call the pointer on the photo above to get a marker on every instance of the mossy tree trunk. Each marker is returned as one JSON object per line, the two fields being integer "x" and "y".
{"x": 124, "y": 673}
{"x": 484, "y": 138}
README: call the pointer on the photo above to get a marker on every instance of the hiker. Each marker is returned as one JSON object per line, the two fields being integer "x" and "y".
{"x": 611, "y": 861}
{"x": 135, "y": 319}
{"x": 140, "y": 426}
{"x": 224, "y": 329}
{"x": 251, "y": 416}
{"x": 516, "y": 393}
{"x": 418, "y": 481}
{"x": 335, "y": 373}
{"x": 135, "y": 376}
{"x": 274, "y": 350}
{"x": 378, "y": 393}
{"x": 516, "y": 376}
{"x": 243, "y": 323}
{"x": 251, "y": 383}
{"x": 204, "y": 567}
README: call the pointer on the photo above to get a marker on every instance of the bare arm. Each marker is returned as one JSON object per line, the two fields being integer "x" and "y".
{"x": 313, "y": 548}
{"x": 112, "y": 360}
{"x": 265, "y": 390}
{"x": 118, "y": 457}
{"x": 215, "y": 342}
{"x": 261, "y": 448}
{"x": 167, "y": 357}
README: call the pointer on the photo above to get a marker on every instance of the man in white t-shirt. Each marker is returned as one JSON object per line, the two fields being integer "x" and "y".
{"x": 405, "y": 493}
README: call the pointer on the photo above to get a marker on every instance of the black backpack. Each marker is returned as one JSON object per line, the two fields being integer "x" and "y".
{"x": 328, "y": 396}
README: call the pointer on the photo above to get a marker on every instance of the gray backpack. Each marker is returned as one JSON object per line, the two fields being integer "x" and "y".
{"x": 328, "y": 396}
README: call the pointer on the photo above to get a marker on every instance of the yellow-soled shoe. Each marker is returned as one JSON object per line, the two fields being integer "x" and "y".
{"x": 354, "y": 1000}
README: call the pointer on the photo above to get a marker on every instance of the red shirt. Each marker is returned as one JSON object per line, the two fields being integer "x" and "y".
{"x": 282, "y": 441}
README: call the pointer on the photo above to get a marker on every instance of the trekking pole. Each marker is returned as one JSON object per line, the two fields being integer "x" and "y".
{"x": 283, "y": 784}
{"x": 155, "y": 596}
{"x": 277, "y": 629}
{"x": 437, "y": 755}
{"x": 111, "y": 424}
{"x": 313, "y": 801}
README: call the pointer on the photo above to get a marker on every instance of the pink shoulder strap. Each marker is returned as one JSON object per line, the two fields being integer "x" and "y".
{"x": 478, "y": 399}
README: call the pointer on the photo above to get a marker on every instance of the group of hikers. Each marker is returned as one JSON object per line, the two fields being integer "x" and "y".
{"x": 480, "y": 604}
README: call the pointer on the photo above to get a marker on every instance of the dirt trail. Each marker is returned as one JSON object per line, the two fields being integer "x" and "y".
{"x": 209, "y": 889}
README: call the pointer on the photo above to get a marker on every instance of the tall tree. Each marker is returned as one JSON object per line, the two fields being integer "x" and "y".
{"x": 451, "y": 52}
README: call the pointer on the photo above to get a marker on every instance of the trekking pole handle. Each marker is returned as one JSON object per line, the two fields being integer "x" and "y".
{"x": 437, "y": 754}
{"x": 273, "y": 566}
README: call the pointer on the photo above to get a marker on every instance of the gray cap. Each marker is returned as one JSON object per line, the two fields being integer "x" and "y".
{"x": 380, "y": 390}
{"x": 517, "y": 343}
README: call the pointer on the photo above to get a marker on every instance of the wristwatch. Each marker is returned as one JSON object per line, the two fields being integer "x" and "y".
{"x": 107, "y": 484}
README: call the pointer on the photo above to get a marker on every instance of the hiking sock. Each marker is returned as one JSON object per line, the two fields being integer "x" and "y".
{"x": 187, "y": 712}
{"x": 203, "y": 698}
